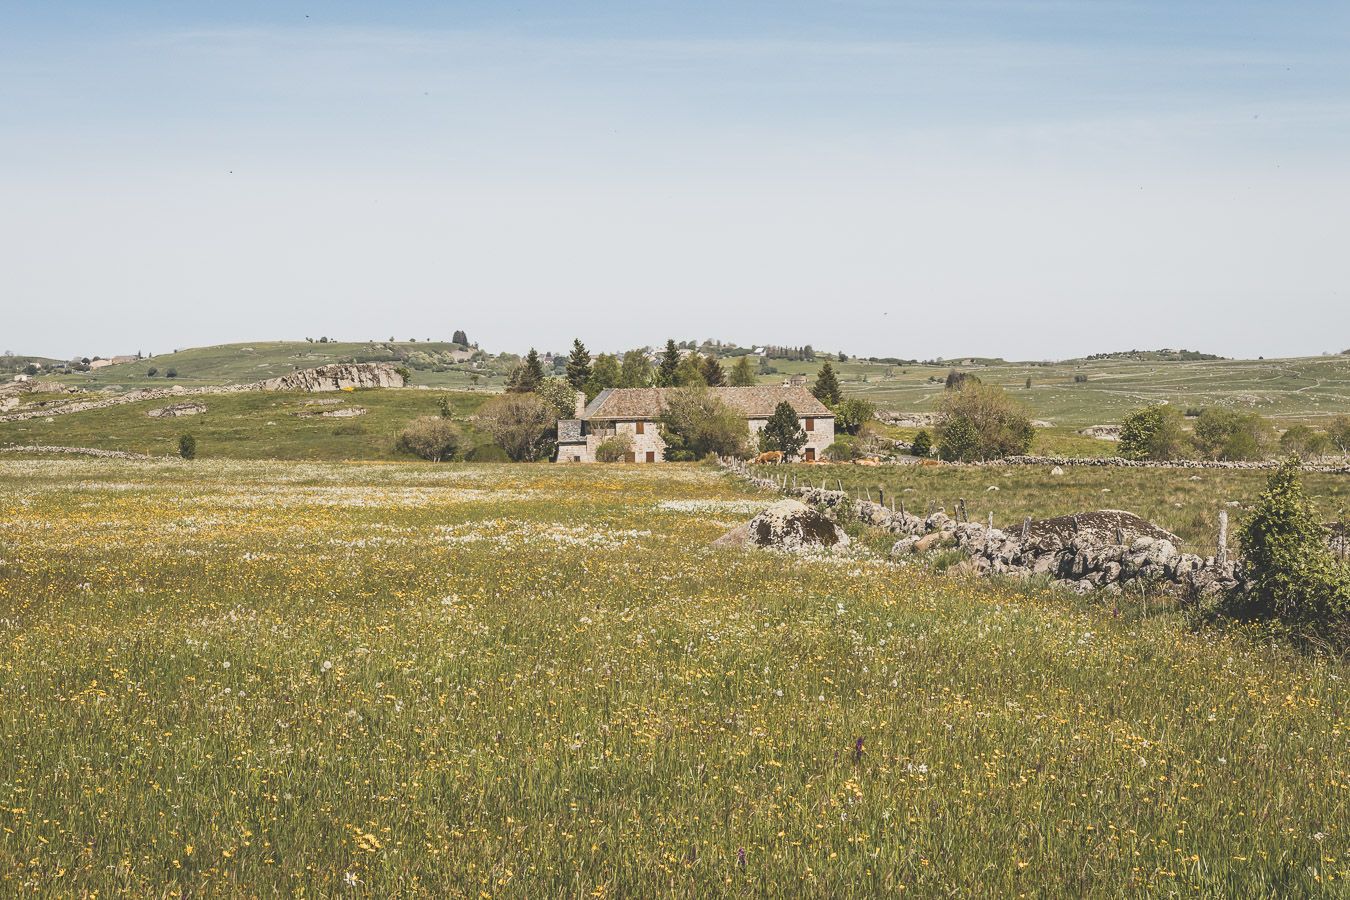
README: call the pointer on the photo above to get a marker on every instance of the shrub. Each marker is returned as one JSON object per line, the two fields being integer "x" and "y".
{"x": 614, "y": 449}
{"x": 783, "y": 431}
{"x": 152, "y": 372}
{"x": 1080, "y": 379}
{"x": 956, "y": 379}
{"x": 695, "y": 424}
{"x": 171, "y": 373}
{"x": 1229, "y": 435}
{"x": 1339, "y": 432}
{"x": 980, "y": 421}
{"x": 559, "y": 394}
{"x": 923, "y": 444}
{"x": 1305, "y": 442}
{"x": 1290, "y": 576}
{"x": 405, "y": 372}
{"x": 487, "y": 453}
{"x": 430, "y": 437}
{"x": 1154, "y": 432}
{"x": 844, "y": 449}
{"x": 852, "y": 414}
{"x": 187, "y": 446}
{"x": 522, "y": 424}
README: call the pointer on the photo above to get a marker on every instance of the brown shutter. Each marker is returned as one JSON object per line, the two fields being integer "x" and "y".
{"x": 810, "y": 424}
{"x": 640, "y": 426}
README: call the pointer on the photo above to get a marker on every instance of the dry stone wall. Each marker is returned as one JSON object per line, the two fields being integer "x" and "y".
{"x": 1103, "y": 549}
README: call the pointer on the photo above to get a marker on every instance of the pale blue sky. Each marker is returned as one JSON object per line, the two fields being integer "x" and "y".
{"x": 1024, "y": 179}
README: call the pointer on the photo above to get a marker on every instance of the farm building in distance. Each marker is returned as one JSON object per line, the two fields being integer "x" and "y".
{"x": 636, "y": 412}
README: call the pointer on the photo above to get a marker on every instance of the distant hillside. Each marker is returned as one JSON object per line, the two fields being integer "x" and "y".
{"x": 11, "y": 363}
{"x": 1155, "y": 356}
{"x": 434, "y": 363}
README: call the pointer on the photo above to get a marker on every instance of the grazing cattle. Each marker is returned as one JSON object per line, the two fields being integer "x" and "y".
{"x": 772, "y": 456}
{"x": 866, "y": 462}
{"x": 929, "y": 462}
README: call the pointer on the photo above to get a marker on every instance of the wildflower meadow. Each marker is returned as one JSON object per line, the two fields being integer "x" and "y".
{"x": 372, "y": 680}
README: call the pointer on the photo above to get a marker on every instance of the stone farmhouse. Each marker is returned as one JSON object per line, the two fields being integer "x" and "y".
{"x": 636, "y": 412}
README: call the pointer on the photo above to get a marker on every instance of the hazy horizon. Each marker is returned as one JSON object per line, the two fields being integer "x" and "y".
{"x": 1039, "y": 179}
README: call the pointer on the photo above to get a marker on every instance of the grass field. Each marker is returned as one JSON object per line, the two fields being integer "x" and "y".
{"x": 1308, "y": 389}
{"x": 248, "y": 679}
{"x": 251, "y": 425}
{"x": 1184, "y": 501}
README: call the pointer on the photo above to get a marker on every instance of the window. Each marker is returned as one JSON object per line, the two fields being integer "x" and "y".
{"x": 639, "y": 427}
{"x": 810, "y": 424}
{"x": 651, "y": 456}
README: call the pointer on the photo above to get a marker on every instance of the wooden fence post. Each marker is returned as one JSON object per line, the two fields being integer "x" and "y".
{"x": 1223, "y": 536}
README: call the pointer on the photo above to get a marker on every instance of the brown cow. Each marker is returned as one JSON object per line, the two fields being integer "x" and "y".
{"x": 771, "y": 457}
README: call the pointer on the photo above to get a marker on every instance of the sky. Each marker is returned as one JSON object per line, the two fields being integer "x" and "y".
{"x": 1030, "y": 179}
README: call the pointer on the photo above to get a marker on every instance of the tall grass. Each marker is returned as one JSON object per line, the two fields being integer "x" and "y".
{"x": 539, "y": 681}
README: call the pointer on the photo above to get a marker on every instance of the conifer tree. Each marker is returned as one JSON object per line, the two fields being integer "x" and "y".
{"x": 670, "y": 361}
{"x": 783, "y": 431}
{"x": 578, "y": 365}
{"x": 826, "y": 388}
{"x": 712, "y": 371}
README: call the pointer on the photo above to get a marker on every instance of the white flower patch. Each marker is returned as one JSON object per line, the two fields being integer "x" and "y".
{"x": 742, "y": 507}
{"x": 516, "y": 534}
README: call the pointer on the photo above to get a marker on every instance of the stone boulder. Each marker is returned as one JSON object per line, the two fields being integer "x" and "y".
{"x": 176, "y": 410}
{"x": 1104, "y": 527}
{"x": 336, "y": 377}
{"x": 787, "y": 525}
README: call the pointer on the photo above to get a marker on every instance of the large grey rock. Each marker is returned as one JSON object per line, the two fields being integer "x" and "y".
{"x": 176, "y": 410}
{"x": 336, "y": 377}
{"x": 787, "y": 525}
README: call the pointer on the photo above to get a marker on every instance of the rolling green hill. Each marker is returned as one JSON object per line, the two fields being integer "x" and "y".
{"x": 259, "y": 360}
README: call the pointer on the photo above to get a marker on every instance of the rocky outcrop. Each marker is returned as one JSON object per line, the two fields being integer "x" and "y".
{"x": 336, "y": 377}
{"x": 787, "y": 525}
{"x": 175, "y": 410}
{"x": 346, "y": 412}
{"x": 339, "y": 376}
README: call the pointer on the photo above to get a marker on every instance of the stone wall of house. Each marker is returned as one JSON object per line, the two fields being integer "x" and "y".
{"x": 818, "y": 438}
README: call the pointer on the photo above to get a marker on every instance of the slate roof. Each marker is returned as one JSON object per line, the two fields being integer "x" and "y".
{"x": 569, "y": 431}
{"x": 752, "y": 402}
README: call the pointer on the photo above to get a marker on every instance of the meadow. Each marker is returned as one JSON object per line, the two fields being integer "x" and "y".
{"x": 377, "y": 679}
{"x": 1186, "y": 502}
{"x": 249, "y": 425}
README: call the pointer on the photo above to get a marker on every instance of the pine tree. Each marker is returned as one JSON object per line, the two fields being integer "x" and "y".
{"x": 826, "y": 388}
{"x": 578, "y": 365}
{"x": 783, "y": 431}
{"x": 712, "y": 371}
{"x": 526, "y": 377}
{"x": 742, "y": 375}
{"x": 670, "y": 361}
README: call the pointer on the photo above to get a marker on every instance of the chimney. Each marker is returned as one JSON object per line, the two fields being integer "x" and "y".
{"x": 581, "y": 404}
